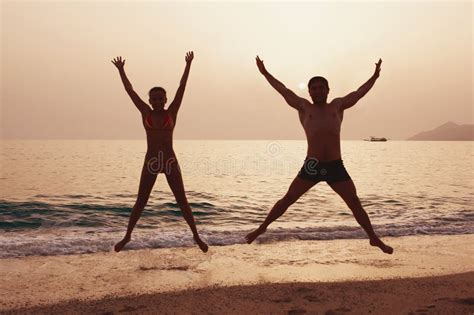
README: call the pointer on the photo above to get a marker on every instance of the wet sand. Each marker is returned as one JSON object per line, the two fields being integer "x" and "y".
{"x": 426, "y": 274}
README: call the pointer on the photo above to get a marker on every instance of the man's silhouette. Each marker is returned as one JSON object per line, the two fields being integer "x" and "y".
{"x": 322, "y": 124}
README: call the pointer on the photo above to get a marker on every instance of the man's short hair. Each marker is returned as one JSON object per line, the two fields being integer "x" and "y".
{"x": 322, "y": 79}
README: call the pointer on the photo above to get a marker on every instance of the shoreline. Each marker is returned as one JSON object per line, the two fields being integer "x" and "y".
{"x": 95, "y": 279}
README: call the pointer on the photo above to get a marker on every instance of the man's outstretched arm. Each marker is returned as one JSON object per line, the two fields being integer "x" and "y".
{"x": 352, "y": 98}
{"x": 290, "y": 97}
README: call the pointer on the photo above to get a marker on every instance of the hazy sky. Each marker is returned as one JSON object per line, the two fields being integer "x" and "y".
{"x": 58, "y": 82}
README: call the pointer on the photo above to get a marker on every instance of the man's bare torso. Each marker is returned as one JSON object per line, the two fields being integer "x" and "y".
{"x": 322, "y": 125}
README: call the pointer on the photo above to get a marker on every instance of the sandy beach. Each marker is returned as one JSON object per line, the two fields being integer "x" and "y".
{"x": 425, "y": 275}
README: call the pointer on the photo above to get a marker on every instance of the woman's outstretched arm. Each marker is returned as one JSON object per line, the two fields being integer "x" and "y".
{"x": 174, "y": 106}
{"x": 141, "y": 105}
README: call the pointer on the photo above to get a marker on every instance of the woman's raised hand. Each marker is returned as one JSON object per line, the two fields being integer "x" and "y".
{"x": 118, "y": 62}
{"x": 189, "y": 57}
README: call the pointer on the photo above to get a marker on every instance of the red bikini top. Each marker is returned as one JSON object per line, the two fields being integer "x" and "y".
{"x": 167, "y": 122}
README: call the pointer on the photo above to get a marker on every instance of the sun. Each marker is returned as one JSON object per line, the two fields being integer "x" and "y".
{"x": 302, "y": 85}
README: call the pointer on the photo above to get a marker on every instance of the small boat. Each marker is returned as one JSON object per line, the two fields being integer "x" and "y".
{"x": 375, "y": 139}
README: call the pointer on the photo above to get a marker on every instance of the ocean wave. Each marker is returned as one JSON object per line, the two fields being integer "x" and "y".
{"x": 18, "y": 215}
{"x": 81, "y": 241}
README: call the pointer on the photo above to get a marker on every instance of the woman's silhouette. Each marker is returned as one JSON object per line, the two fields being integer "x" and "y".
{"x": 160, "y": 157}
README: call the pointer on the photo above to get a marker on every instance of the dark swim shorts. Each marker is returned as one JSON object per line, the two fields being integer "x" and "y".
{"x": 328, "y": 171}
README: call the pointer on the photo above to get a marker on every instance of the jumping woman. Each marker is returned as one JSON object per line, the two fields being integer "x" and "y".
{"x": 159, "y": 124}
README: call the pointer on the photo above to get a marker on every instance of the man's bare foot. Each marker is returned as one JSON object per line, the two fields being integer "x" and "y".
{"x": 378, "y": 242}
{"x": 118, "y": 247}
{"x": 253, "y": 235}
{"x": 203, "y": 246}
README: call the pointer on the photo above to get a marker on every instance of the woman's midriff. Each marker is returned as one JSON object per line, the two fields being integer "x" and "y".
{"x": 160, "y": 156}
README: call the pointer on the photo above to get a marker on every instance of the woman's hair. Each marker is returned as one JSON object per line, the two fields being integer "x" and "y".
{"x": 156, "y": 88}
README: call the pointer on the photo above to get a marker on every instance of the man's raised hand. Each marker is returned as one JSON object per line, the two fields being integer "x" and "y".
{"x": 261, "y": 66}
{"x": 377, "y": 68}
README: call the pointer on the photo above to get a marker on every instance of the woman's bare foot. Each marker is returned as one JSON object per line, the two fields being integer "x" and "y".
{"x": 253, "y": 235}
{"x": 378, "y": 242}
{"x": 118, "y": 247}
{"x": 203, "y": 246}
